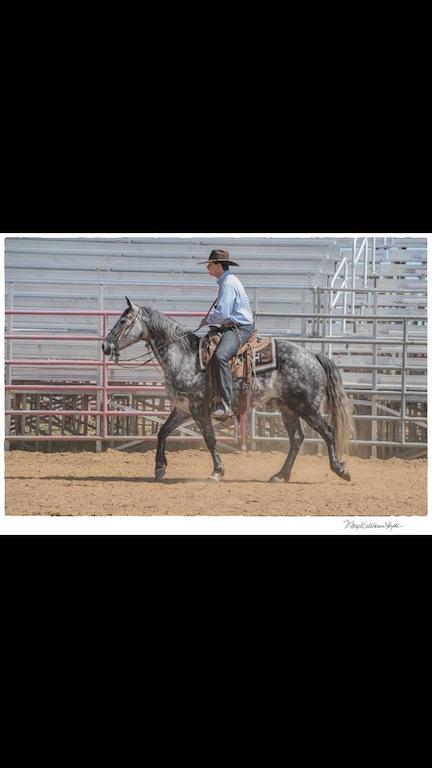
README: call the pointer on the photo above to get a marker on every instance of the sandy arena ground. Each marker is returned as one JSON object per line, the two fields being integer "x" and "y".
{"x": 117, "y": 483}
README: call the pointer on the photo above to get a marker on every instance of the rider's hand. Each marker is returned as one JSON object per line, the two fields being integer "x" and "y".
{"x": 203, "y": 323}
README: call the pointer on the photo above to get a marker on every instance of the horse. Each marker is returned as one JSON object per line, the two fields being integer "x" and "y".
{"x": 297, "y": 387}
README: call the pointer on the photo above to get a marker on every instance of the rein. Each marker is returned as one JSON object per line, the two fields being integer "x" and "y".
{"x": 150, "y": 354}
{"x": 146, "y": 354}
{"x": 126, "y": 331}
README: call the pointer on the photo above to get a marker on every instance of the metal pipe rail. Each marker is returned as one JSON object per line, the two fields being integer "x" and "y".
{"x": 102, "y": 390}
{"x": 95, "y": 312}
{"x": 356, "y": 318}
{"x": 195, "y": 284}
{"x": 104, "y": 387}
{"x": 317, "y": 440}
{"x": 402, "y": 367}
{"x": 184, "y": 270}
{"x": 347, "y": 340}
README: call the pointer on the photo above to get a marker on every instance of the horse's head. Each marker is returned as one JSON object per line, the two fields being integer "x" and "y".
{"x": 130, "y": 328}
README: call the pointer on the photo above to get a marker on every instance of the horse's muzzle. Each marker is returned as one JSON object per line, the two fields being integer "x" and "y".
{"x": 107, "y": 347}
{"x": 110, "y": 348}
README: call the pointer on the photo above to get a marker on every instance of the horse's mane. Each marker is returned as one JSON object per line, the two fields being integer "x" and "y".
{"x": 170, "y": 328}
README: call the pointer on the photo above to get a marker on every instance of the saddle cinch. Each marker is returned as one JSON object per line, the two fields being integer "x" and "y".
{"x": 256, "y": 356}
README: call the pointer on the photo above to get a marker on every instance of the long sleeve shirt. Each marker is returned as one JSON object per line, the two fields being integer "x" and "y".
{"x": 232, "y": 302}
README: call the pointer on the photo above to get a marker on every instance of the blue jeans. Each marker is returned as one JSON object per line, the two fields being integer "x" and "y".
{"x": 233, "y": 339}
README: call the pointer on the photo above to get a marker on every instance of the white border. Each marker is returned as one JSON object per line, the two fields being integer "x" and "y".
{"x": 206, "y": 525}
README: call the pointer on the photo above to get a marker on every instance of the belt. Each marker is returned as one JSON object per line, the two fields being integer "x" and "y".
{"x": 230, "y": 324}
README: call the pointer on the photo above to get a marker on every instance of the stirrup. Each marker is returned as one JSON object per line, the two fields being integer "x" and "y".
{"x": 223, "y": 411}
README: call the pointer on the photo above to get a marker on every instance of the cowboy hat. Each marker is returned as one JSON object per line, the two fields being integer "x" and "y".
{"x": 223, "y": 257}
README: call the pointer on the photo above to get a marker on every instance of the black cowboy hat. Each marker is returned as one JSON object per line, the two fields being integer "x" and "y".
{"x": 219, "y": 256}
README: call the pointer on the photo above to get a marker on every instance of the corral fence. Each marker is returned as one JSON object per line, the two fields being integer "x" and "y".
{"x": 390, "y": 414}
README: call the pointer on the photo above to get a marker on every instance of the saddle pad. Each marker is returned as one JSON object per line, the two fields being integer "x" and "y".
{"x": 265, "y": 355}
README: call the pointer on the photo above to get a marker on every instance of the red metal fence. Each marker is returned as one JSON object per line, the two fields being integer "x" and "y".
{"x": 104, "y": 412}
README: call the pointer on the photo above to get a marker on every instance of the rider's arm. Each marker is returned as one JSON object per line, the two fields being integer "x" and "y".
{"x": 224, "y": 306}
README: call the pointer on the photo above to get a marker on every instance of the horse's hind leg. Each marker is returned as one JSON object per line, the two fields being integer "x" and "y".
{"x": 206, "y": 427}
{"x": 174, "y": 420}
{"x": 296, "y": 436}
{"x": 327, "y": 432}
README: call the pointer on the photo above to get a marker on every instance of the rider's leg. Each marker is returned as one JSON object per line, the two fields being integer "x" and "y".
{"x": 232, "y": 340}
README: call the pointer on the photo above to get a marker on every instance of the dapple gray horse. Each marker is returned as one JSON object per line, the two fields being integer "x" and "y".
{"x": 297, "y": 387}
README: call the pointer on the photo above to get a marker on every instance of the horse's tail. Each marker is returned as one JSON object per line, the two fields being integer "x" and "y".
{"x": 338, "y": 404}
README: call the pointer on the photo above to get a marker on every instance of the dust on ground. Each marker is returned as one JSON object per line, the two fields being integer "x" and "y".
{"x": 117, "y": 483}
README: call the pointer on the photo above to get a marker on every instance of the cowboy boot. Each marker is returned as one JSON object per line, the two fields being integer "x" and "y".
{"x": 223, "y": 411}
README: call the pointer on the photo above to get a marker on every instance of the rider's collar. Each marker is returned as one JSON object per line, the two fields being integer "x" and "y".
{"x": 223, "y": 277}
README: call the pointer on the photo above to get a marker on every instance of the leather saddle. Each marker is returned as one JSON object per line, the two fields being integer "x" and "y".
{"x": 256, "y": 356}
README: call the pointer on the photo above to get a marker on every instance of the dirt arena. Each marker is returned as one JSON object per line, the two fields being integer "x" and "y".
{"x": 117, "y": 483}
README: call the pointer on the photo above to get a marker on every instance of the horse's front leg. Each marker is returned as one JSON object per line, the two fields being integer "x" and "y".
{"x": 174, "y": 420}
{"x": 204, "y": 423}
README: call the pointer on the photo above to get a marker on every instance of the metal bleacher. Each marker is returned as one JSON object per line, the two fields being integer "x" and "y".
{"x": 318, "y": 291}
{"x": 163, "y": 273}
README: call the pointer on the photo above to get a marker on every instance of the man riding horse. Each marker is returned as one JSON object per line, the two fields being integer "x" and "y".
{"x": 233, "y": 313}
{"x": 295, "y": 381}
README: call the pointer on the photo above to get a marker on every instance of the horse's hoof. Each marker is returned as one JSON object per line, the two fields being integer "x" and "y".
{"x": 160, "y": 474}
{"x": 215, "y": 477}
{"x": 276, "y": 479}
{"x": 345, "y": 475}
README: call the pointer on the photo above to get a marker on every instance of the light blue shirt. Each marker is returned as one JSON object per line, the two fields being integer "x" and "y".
{"x": 232, "y": 302}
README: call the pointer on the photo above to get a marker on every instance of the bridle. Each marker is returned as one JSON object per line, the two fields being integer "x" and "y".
{"x": 125, "y": 331}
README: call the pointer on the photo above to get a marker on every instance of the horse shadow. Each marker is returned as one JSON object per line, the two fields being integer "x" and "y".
{"x": 143, "y": 479}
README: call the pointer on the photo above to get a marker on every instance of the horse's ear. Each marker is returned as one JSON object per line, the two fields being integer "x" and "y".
{"x": 132, "y": 306}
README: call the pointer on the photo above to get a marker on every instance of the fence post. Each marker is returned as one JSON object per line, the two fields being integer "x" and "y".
{"x": 366, "y": 264}
{"x": 404, "y": 366}
{"x": 373, "y": 255}
{"x": 353, "y": 275}
{"x": 8, "y": 377}
{"x": 330, "y": 323}
{"x": 315, "y": 312}
{"x": 244, "y": 431}
{"x": 253, "y": 430}
{"x": 321, "y": 321}
{"x": 374, "y": 425}
{"x": 304, "y": 303}
{"x": 102, "y": 375}
{"x": 256, "y": 302}
{"x": 105, "y": 384}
